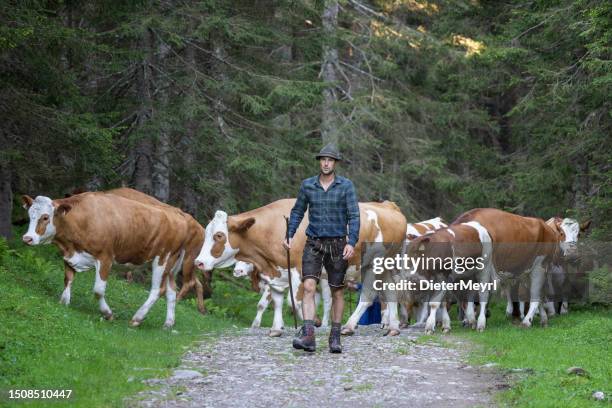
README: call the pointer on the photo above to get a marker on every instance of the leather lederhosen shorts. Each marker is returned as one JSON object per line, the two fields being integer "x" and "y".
{"x": 319, "y": 252}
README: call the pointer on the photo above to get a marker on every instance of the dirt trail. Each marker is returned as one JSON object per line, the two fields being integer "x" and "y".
{"x": 248, "y": 369}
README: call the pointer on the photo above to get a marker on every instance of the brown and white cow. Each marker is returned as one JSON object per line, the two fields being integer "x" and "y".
{"x": 519, "y": 244}
{"x": 255, "y": 236}
{"x": 97, "y": 229}
{"x": 409, "y": 303}
{"x": 147, "y": 199}
{"x": 468, "y": 240}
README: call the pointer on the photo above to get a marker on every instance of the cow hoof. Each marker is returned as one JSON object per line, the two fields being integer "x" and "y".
{"x": 403, "y": 326}
{"x": 446, "y": 330}
{"x": 109, "y": 317}
{"x": 135, "y": 323}
{"x": 544, "y": 324}
{"x": 526, "y": 324}
{"x": 429, "y": 332}
{"x": 64, "y": 301}
{"x": 480, "y": 329}
{"x": 169, "y": 324}
{"x": 347, "y": 331}
{"x": 392, "y": 332}
{"x": 275, "y": 333}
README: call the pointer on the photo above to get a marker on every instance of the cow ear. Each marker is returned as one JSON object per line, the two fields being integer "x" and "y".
{"x": 241, "y": 226}
{"x": 63, "y": 209}
{"x": 27, "y": 201}
{"x": 585, "y": 226}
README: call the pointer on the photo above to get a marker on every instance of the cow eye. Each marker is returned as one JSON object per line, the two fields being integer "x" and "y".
{"x": 218, "y": 236}
{"x": 45, "y": 217}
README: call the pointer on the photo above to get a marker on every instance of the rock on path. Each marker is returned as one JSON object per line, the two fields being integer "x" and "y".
{"x": 249, "y": 369}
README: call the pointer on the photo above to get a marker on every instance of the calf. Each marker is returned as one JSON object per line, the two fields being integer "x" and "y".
{"x": 267, "y": 286}
{"x": 97, "y": 229}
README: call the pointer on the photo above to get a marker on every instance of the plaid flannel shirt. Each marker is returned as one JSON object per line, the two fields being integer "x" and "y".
{"x": 329, "y": 211}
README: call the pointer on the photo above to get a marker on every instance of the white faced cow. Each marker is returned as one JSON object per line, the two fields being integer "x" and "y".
{"x": 256, "y": 236}
{"x": 93, "y": 230}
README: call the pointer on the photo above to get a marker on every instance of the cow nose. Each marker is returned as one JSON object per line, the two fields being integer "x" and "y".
{"x": 27, "y": 239}
{"x": 200, "y": 265}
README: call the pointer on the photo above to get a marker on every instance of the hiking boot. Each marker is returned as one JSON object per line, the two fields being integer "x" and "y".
{"x": 334, "y": 339}
{"x": 307, "y": 339}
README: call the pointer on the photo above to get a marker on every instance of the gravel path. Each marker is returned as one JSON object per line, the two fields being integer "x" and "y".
{"x": 248, "y": 369}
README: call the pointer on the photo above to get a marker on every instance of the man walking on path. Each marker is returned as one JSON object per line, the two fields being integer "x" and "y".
{"x": 332, "y": 205}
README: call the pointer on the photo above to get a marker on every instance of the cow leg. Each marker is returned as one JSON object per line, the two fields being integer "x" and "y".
{"x": 156, "y": 281}
{"x": 522, "y": 309}
{"x": 190, "y": 279}
{"x": 384, "y": 315}
{"x": 422, "y": 315}
{"x": 294, "y": 275}
{"x": 393, "y": 321}
{"x": 102, "y": 271}
{"x": 366, "y": 298}
{"x": 277, "y": 324}
{"x": 430, "y": 325}
{"x": 564, "y": 307}
{"x": 170, "y": 301}
{"x": 446, "y": 320}
{"x": 550, "y": 308}
{"x": 484, "y": 277}
{"x": 543, "y": 315}
{"x": 509, "y": 304}
{"x": 68, "y": 278}
{"x": 351, "y": 324}
{"x": 262, "y": 305}
{"x": 537, "y": 283}
{"x": 469, "y": 316}
{"x": 405, "y": 310}
{"x": 327, "y": 302}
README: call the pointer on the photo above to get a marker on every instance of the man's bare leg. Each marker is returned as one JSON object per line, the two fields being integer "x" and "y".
{"x": 307, "y": 339}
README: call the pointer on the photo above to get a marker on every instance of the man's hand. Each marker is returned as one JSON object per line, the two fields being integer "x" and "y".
{"x": 287, "y": 245}
{"x": 348, "y": 252}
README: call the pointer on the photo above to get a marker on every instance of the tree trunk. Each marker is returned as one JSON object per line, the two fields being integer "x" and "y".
{"x": 329, "y": 119}
{"x": 143, "y": 151}
{"x": 161, "y": 162}
{"x": 6, "y": 201}
{"x": 190, "y": 200}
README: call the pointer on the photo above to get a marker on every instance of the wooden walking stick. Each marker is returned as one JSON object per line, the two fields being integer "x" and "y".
{"x": 289, "y": 274}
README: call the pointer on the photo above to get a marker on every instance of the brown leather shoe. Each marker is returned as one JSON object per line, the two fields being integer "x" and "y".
{"x": 307, "y": 340}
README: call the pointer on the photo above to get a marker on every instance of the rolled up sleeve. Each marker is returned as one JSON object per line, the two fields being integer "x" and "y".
{"x": 298, "y": 210}
{"x": 352, "y": 208}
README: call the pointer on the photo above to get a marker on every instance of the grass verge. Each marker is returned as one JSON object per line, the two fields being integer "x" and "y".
{"x": 539, "y": 358}
{"x": 45, "y": 345}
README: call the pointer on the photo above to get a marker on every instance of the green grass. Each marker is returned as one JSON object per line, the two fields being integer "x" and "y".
{"x": 45, "y": 345}
{"x": 583, "y": 339}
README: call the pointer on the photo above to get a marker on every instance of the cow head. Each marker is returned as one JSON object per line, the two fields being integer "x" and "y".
{"x": 42, "y": 212}
{"x": 242, "y": 269}
{"x": 217, "y": 251}
{"x": 568, "y": 230}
